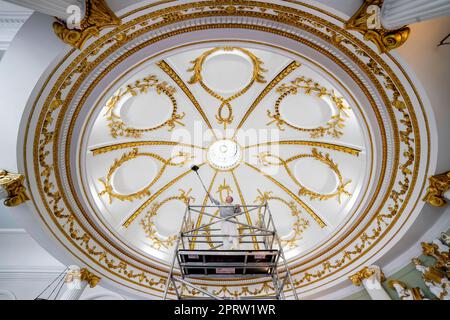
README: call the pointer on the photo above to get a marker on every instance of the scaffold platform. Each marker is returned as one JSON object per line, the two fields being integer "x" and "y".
{"x": 199, "y": 256}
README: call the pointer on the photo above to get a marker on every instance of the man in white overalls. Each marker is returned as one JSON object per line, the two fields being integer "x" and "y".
{"x": 229, "y": 229}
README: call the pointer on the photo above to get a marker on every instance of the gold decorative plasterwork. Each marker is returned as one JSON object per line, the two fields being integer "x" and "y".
{"x": 384, "y": 39}
{"x": 408, "y": 293}
{"x": 308, "y": 87}
{"x": 438, "y": 186}
{"x": 12, "y": 183}
{"x": 396, "y": 99}
{"x": 298, "y": 227}
{"x": 267, "y": 159}
{"x": 98, "y": 16}
{"x": 148, "y": 223}
{"x": 89, "y": 277}
{"x": 441, "y": 258}
{"x": 257, "y": 77}
{"x": 117, "y": 125}
{"x": 365, "y": 273}
{"x": 179, "y": 160}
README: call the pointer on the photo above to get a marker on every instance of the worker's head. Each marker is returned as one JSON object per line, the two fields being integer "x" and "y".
{"x": 229, "y": 199}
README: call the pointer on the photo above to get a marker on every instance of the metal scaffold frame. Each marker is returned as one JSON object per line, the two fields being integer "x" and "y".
{"x": 213, "y": 263}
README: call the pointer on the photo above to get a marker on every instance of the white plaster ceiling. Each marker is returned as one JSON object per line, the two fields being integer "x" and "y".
{"x": 314, "y": 154}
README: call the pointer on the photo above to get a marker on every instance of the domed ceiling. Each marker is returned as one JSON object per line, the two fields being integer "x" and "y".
{"x": 275, "y": 103}
{"x": 263, "y": 127}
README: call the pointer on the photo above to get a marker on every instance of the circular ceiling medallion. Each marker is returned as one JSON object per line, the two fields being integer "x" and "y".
{"x": 224, "y": 154}
{"x": 312, "y": 121}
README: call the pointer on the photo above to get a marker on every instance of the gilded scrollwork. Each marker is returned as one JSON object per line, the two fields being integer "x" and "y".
{"x": 438, "y": 186}
{"x": 119, "y": 128}
{"x": 148, "y": 223}
{"x": 406, "y": 293}
{"x": 308, "y": 86}
{"x": 367, "y": 273}
{"x": 268, "y": 159}
{"x": 12, "y": 184}
{"x": 179, "y": 160}
{"x": 298, "y": 227}
{"x": 98, "y": 16}
{"x": 89, "y": 277}
{"x": 365, "y": 22}
{"x": 197, "y": 77}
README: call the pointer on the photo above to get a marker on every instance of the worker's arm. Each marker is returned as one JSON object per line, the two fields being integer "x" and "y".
{"x": 216, "y": 202}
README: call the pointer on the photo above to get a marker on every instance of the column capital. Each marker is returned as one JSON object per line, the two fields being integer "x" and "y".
{"x": 12, "y": 185}
{"x": 367, "y": 21}
{"x": 366, "y": 273}
{"x": 98, "y": 16}
{"x": 89, "y": 277}
{"x": 438, "y": 186}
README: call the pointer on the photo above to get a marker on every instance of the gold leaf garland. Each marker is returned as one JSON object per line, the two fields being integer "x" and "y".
{"x": 257, "y": 77}
{"x": 300, "y": 224}
{"x": 149, "y": 226}
{"x": 308, "y": 87}
{"x": 264, "y": 159}
{"x": 135, "y": 153}
{"x": 117, "y": 125}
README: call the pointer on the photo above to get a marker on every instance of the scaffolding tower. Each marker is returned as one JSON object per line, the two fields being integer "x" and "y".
{"x": 200, "y": 256}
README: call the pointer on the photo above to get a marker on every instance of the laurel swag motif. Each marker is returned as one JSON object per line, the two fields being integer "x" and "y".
{"x": 119, "y": 128}
{"x": 197, "y": 77}
{"x": 308, "y": 86}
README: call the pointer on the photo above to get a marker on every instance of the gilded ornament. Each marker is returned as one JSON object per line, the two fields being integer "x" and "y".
{"x": 438, "y": 186}
{"x": 119, "y": 128}
{"x": 405, "y": 293}
{"x": 300, "y": 224}
{"x": 92, "y": 279}
{"x": 267, "y": 159}
{"x": 179, "y": 160}
{"x": 98, "y": 16}
{"x": 364, "y": 274}
{"x": 308, "y": 86}
{"x": 12, "y": 184}
{"x": 149, "y": 227}
{"x": 384, "y": 39}
{"x": 225, "y": 112}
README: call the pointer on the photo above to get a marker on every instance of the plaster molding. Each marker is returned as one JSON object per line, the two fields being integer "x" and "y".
{"x": 11, "y": 20}
{"x": 13, "y": 231}
{"x": 29, "y": 273}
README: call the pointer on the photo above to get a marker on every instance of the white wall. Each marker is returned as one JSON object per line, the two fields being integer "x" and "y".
{"x": 431, "y": 64}
{"x": 26, "y": 269}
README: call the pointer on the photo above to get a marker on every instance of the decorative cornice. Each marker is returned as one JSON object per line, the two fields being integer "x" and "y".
{"x": 88, "y": 276}
{"x": 365, "y": 273}
{"x": 439, "y": 184}
{"x": 384, "y": 39}
{"x": 12, "y": 184}
{"x": 98, "y": 17}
